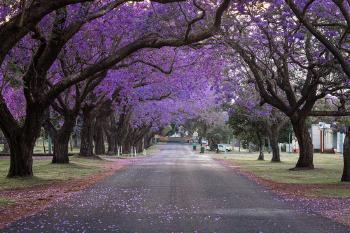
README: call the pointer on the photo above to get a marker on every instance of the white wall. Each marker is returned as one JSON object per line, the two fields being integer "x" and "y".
{"x": 328, "y": 139}
{"x": 315, "y": 135}
{"x": 340, "y": 142}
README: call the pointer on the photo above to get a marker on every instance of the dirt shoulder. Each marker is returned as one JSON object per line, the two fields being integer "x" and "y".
{"x": 30, "y": 200}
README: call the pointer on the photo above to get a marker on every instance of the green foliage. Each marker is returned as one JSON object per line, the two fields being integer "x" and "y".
{"x": 285, "y": 133}
{"x": 173, "y": 128}
{"x": 199, "y": 125}
{"x": 219, "y": 134}
{"x": 166, "y": 130}
{"x": 244, "y": 129}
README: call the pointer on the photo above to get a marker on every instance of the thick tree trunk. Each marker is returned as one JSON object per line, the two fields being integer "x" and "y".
{"x": 61, "y": 141}
{"x": 127, "y": 148}
{"x": 117, "y": 133}
{"x": 128, "y": 143}
{"x": 148, "y": 141}
{"x": 112, "y": 144}
{"x": 111, "y": 131}
{"x": 99, "y": 137}
{"x": 21, "y": 153}
{"x": 21, "y": 162}
{"x": 22, "y": 141}
{"x": 273, "y": 131}
{"x": 273, "y": 135}
{"x": 60, "y": 149}
{"x": 274, "y": 147}
{"x": 346, "y": 157}
{"x": 261, "y": 155}
{"x": 139, "y": 147}
{"x": 87, "y": 133}
{"x": 306, "y": 150}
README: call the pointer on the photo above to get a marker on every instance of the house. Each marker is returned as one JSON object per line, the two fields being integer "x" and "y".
{"x": 326, "y": 139}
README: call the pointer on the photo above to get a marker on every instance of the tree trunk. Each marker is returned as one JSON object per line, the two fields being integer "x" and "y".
{"x": 346, "y": 157}
{"x": 148, "y": 141}
{"x": 139, "y": 147}
{"x": 128, "y": 143}
{"x": 269, "y": 145}
{"x": 306, "y": 150}
{"x": 261, "y": 147}
{"x": 273, "y": 135}
{"x": 273, "y": 131}
{"x": 22, "y": 141}
{"x": 87, "y": 133}
{"x": 75, "y": 141}
{"x": 274, "y": 147}
{"x": 60, "y": 149}
{"x": 61, "y": 141}
{"x": 112, "y": 143}
{"x": 127, "y": 148}
{"x": 111, "y": 131}
{"x": 99, "y": 137}
{"x": 21, "y": 162}
{"x": 70, "y": 144}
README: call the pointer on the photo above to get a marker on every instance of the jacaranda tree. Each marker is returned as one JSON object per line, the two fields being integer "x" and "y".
{"x": 40, "y": 33}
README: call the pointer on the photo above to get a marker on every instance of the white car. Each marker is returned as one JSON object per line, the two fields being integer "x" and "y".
{"x": 222, "y": 147}
{"x": 228, "y": 147}
{"x": 204, "y": 142}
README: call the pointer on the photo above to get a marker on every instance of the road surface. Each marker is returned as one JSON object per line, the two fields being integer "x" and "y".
{"x": 175, "y": 191}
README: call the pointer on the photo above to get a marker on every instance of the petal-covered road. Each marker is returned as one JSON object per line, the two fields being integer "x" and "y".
{"x": 175, "y": 191}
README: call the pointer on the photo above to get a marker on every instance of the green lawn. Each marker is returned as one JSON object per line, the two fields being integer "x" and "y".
{"x": 328, "y": 170}
{"x": 5, "y": 202}
{"x": 39, "y": 147}
{"x": 46, "y": 172}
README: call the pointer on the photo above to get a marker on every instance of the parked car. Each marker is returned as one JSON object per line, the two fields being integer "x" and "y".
{"x": 221, "y": 148}
{"x": 204, "y": 142}
{"x": 228, "y": 147}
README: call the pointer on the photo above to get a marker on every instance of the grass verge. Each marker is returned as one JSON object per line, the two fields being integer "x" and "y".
{"x": 45, "y": 172}
{"x": 6, "y": 202}
{"x": 323, "y": 181}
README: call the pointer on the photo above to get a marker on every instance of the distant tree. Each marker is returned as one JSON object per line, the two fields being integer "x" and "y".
{"x": 248, "y": 130}
{"x": 219, "y": 134}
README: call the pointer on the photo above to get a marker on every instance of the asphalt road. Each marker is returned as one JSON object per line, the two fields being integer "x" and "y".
{"x": 175, "y": 191}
